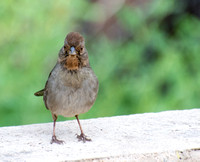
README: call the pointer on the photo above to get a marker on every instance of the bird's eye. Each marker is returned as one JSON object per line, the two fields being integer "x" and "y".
{"x": 66, "y": 47}
{"x": 79, "y": 49}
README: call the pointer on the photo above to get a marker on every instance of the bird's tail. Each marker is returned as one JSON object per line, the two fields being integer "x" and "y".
{"x": 39, "y": 93}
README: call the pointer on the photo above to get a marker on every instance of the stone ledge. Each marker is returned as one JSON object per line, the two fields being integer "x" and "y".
{"x": 164, "y": 136}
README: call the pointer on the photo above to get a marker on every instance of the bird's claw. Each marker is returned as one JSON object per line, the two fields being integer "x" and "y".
{"x": 83, "y": 137}
{"x": 55, "y": 140}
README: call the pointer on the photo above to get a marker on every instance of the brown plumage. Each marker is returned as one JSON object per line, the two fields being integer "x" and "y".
{"x": 72, "y": 86}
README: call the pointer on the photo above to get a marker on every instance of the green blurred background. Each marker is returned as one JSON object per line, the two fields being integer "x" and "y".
{"x": 144, "y": 52}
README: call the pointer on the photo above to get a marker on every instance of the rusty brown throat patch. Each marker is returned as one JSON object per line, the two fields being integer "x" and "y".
{"x": 72, "y": 62}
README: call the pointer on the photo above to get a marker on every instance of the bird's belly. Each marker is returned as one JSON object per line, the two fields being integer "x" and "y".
{"x": 69, "y": 101}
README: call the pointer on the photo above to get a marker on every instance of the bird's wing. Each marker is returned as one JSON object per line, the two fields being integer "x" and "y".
{"x": 45, "y": 90}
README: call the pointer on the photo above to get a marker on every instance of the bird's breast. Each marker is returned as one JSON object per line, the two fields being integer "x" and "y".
{"x": 70, "y": 94}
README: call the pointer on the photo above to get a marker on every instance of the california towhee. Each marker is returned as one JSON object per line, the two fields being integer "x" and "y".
{"x": 72, "y": 86}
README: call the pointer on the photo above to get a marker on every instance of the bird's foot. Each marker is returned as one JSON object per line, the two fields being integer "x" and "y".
{"x": 55, "y": 140}
{"x": 83, "y": 137}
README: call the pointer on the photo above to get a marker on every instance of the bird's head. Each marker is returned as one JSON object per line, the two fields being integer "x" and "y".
{"x": 74, "y": 51}
{"x": 74, "y": 44}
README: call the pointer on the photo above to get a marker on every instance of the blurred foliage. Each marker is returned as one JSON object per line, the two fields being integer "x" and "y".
{"x": 145, "y": 54}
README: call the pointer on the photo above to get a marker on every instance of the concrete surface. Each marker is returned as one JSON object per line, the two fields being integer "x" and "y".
{"x": 164, "y": 136}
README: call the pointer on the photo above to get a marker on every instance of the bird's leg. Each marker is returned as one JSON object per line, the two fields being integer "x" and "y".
{"x": 82, "y": 136}
{"x": 54, "y": 139}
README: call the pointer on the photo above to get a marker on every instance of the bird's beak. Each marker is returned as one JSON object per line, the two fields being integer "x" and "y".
{"x": 72, "y": 51}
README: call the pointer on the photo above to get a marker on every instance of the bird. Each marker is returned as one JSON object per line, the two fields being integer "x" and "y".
{"x": 72, "y": 86}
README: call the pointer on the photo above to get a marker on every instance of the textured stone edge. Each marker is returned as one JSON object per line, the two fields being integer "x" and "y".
{"x": 190, "y": 155}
